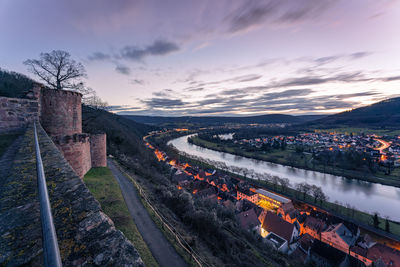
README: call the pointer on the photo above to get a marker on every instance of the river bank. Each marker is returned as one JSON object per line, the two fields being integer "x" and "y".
{"x": 281, "y": 157}
{"x": 364, "y": 196}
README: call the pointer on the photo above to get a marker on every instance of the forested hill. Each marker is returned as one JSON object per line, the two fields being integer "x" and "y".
{"x": 215, "y": 120}
{"x": 384, "y": 114}
{"x": 13, "y": 84}
{"x": 123, "y": 135}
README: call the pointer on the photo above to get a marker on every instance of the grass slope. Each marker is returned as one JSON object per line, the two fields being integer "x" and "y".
{"x": 105, "y": 189}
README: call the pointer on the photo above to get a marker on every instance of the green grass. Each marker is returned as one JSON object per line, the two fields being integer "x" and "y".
{"x": 5, "y": 141}
{"x": 105, "y": 189}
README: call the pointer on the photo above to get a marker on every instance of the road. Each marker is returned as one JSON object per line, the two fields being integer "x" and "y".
{"x": 383, "y": 146}
{"x": 160, "y": 247}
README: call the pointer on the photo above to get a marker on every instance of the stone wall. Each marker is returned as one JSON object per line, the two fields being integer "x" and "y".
{"x": 86, "y": 236}
{"x": 76, "y": 150}
{"x": 98, "y": 150}
{"x": 61, "y": 112}
{"x": 16, "y": 113}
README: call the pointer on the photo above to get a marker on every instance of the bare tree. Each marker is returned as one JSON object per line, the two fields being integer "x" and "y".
{"x": 285, "y": 183}
{"x": 303, "y": 188}
{"x": 58, "y": 70}
{"x": 316, "y": 192}
{"x": 275, "y": 181}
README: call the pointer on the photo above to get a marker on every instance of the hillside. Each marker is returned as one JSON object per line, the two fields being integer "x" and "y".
{"x": 13, "y": 84}
{"x": 123, "y": 135}
{"x": 384, "y": 114}
{"x": 215, "y": 120}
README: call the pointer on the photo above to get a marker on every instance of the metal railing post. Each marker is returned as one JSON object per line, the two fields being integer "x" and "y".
{"x": 51, "y": 251}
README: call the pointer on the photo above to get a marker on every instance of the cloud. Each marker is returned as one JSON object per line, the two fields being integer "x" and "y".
{"x": 99, "y": 56}
{"x": 287, "y": 94}
{"x": 358, "y": 55}
{"x": 163, "y": 102}
{"x": 390, "y": 78}
{"x": 137, "y": 81}
{"x": 158, "y": 48}
{"x": 194, "y": 89}
{"x": 250, "y": 14}
{"x": 255, "y": 12}
{"x": 123, "y": 69}
{"x": 122, "y": 108}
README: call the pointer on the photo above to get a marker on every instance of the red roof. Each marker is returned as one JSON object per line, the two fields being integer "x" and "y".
{"x": 390, "y": 256}
{"x": 306, "y": 241}
{"x": 314, "y": 223}
{"x": 248, "y": 219}
{"x": 275, "y": 224}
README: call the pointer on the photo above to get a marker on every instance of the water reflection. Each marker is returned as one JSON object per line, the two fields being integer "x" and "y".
{"x": 363, "y": 195}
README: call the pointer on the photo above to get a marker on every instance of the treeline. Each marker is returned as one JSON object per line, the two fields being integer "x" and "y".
{"x": 13, "y": 84}
{"x": 350, "y": 159}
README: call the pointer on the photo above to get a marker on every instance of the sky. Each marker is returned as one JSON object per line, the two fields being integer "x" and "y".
{"x": 225, "y": 57}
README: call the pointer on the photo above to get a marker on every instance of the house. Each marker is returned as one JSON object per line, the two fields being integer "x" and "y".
{"x": 366, "y": 241}
{"x": 248, "y": 220}
{"x": 247, "y": 194}
{"x": 275, "y": 224}
{"x": 361, "y": 254}
{"x": 243, "y": 205}
{"x": 205, "y": 193}
{"x": 388, "y": 255}
{"x": 313, "y": 226}
{"x": 339, "y": 236}
{"x": 302, "y": 250}
{"x": 277, "y": 242}
{"x": 305, "y": 242}
{"x": 322, "y": 254}
{"x": 285, "y": 208}
{"x": 269, "y": 200}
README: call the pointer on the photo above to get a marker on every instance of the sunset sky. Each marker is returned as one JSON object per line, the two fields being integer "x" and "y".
{"x": 220, "y": 57}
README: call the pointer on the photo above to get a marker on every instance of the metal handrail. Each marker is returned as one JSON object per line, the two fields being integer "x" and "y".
{"x": 51, "y": 251}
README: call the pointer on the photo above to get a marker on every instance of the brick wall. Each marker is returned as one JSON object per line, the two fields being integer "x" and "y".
{"x": 98, "y": 150}
{"x": 61, "y": 112}
{"x": 76, "y": 150}
{"x": 16, "y": 113}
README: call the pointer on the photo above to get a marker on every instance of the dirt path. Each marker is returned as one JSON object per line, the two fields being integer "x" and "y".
{"x": 162, "y": 250}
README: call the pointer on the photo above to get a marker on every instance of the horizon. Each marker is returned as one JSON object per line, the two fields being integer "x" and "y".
{"x": 246, "y": 58}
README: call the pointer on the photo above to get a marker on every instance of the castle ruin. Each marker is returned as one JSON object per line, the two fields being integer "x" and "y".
{"x": 60, "y": 114}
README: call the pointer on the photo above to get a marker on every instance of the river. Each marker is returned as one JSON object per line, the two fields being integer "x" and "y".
{"x": 364, "y": 196}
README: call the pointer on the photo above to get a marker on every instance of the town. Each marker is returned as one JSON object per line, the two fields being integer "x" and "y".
{"x": 299, "y": 230}
{"x": 384, "y": 150}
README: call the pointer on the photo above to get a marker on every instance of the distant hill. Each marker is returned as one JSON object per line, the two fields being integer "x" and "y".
{"x": 13, "y": 84}
{"x": 384, "y": 114}
{"x": 215, "y": 120}
{"x": 123, "y": 135}
{"x": 311, "y": 117}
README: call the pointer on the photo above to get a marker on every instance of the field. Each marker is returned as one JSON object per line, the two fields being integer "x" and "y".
{"x": 105, "y": 189}
{"x": 302, "y": 160}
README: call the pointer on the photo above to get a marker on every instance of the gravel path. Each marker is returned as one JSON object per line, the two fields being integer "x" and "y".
{"x": 162, "y": 250}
